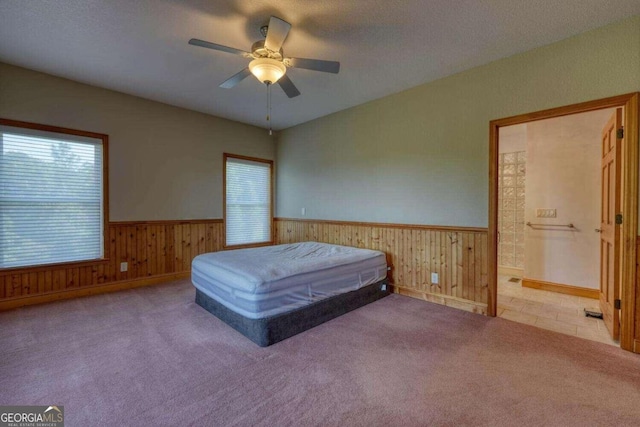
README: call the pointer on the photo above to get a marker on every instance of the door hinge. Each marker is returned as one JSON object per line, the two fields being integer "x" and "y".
{"x": 618, "y": 218}
{"x": 616, "y": 304}
{"x": 620, "y": 133}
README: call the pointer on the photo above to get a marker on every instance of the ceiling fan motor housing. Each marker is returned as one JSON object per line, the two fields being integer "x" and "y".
{"x": 259, "y": 51}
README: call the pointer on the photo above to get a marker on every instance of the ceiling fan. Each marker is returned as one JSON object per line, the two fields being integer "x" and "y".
{"x": 268, "y": 63}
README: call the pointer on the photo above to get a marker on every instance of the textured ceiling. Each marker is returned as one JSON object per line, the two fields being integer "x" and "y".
{"x": 384, "y": 46}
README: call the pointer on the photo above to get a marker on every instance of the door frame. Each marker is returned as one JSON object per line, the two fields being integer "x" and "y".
{"x": 629, "y": 183}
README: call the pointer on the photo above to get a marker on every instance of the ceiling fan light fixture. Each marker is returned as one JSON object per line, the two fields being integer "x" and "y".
{"x": 267, "y": 70}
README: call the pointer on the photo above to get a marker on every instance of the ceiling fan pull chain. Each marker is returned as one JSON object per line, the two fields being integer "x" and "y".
{"x": 269, "y": 107}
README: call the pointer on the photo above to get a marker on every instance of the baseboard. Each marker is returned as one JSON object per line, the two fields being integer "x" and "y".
{"x": 560, "y": 288}
{"x": 9, "y": 304}
{"x": 510, "y": 271}
{"x": 449, "y": 301}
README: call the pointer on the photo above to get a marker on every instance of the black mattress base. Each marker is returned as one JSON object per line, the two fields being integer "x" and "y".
{"x": 271, "y": 330}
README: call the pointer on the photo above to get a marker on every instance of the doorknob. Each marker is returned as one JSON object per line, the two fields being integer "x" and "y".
{"x": 598, "y": 230}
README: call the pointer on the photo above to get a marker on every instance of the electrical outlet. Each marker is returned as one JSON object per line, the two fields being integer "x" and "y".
{"x": 434, "y": 278}
{"x": 124, "y": 266}
{"x": 303, "y": 211}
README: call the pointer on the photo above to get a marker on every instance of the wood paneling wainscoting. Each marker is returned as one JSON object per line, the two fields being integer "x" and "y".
{"x": 155, "y": 251}
{"x": 457, "y": 254}
{"x": 158, "y": 251}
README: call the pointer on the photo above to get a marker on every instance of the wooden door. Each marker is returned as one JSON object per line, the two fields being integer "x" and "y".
{"x": 609, "y": 230}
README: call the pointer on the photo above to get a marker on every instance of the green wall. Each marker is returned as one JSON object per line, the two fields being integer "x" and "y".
{"x": 165, "y": 162}
{"x": 421, "y": 156}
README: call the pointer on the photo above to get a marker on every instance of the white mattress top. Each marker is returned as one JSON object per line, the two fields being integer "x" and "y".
{"x": 255, "y": 268}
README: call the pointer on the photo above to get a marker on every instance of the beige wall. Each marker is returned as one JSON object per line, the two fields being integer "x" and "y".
{"x": 513, "y": 138}
{"x": 563, "y": 173}
{"x": 164, "y": 162}
{"x": 421, "y": 156}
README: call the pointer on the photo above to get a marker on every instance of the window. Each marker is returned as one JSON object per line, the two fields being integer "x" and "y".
{"x": 247, "y": 200}
{"x": 52, "y": 197}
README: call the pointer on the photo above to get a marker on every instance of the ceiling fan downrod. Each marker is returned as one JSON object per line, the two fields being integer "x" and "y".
{"x": 263, "y": 30}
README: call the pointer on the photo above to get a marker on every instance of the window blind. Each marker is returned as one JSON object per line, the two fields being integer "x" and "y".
{"x": 51, "y": 201}
{"x": 248, "y": 201}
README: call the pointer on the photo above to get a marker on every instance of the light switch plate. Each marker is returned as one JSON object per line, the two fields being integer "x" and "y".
{"x": 434, "y": 278}
{"x": 545, "y": 213}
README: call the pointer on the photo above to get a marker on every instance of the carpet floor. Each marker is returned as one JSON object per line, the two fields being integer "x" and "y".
{"x": 151, "y": 356}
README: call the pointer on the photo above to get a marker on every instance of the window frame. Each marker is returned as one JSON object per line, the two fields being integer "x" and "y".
{"x": 226, "y": 156}
{"x": 105, "y": 195}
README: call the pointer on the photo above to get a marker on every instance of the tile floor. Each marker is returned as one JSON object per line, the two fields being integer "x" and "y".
{"x": 550, "y": 310}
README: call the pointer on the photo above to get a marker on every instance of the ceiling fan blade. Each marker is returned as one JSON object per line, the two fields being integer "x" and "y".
{"x": 276, "y": 34}
{"x": 214, "y": 46}
{"x": 314, "y": 64}
{"x": 288, "y": 87}
{"x": 236, "y": 78}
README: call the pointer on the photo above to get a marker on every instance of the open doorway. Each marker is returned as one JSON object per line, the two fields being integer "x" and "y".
{"x": 549, "y": 223}
{"x": 621, "y": 279}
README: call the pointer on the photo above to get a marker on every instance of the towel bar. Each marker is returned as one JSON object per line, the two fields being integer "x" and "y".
{"x": 550, "y": 225}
